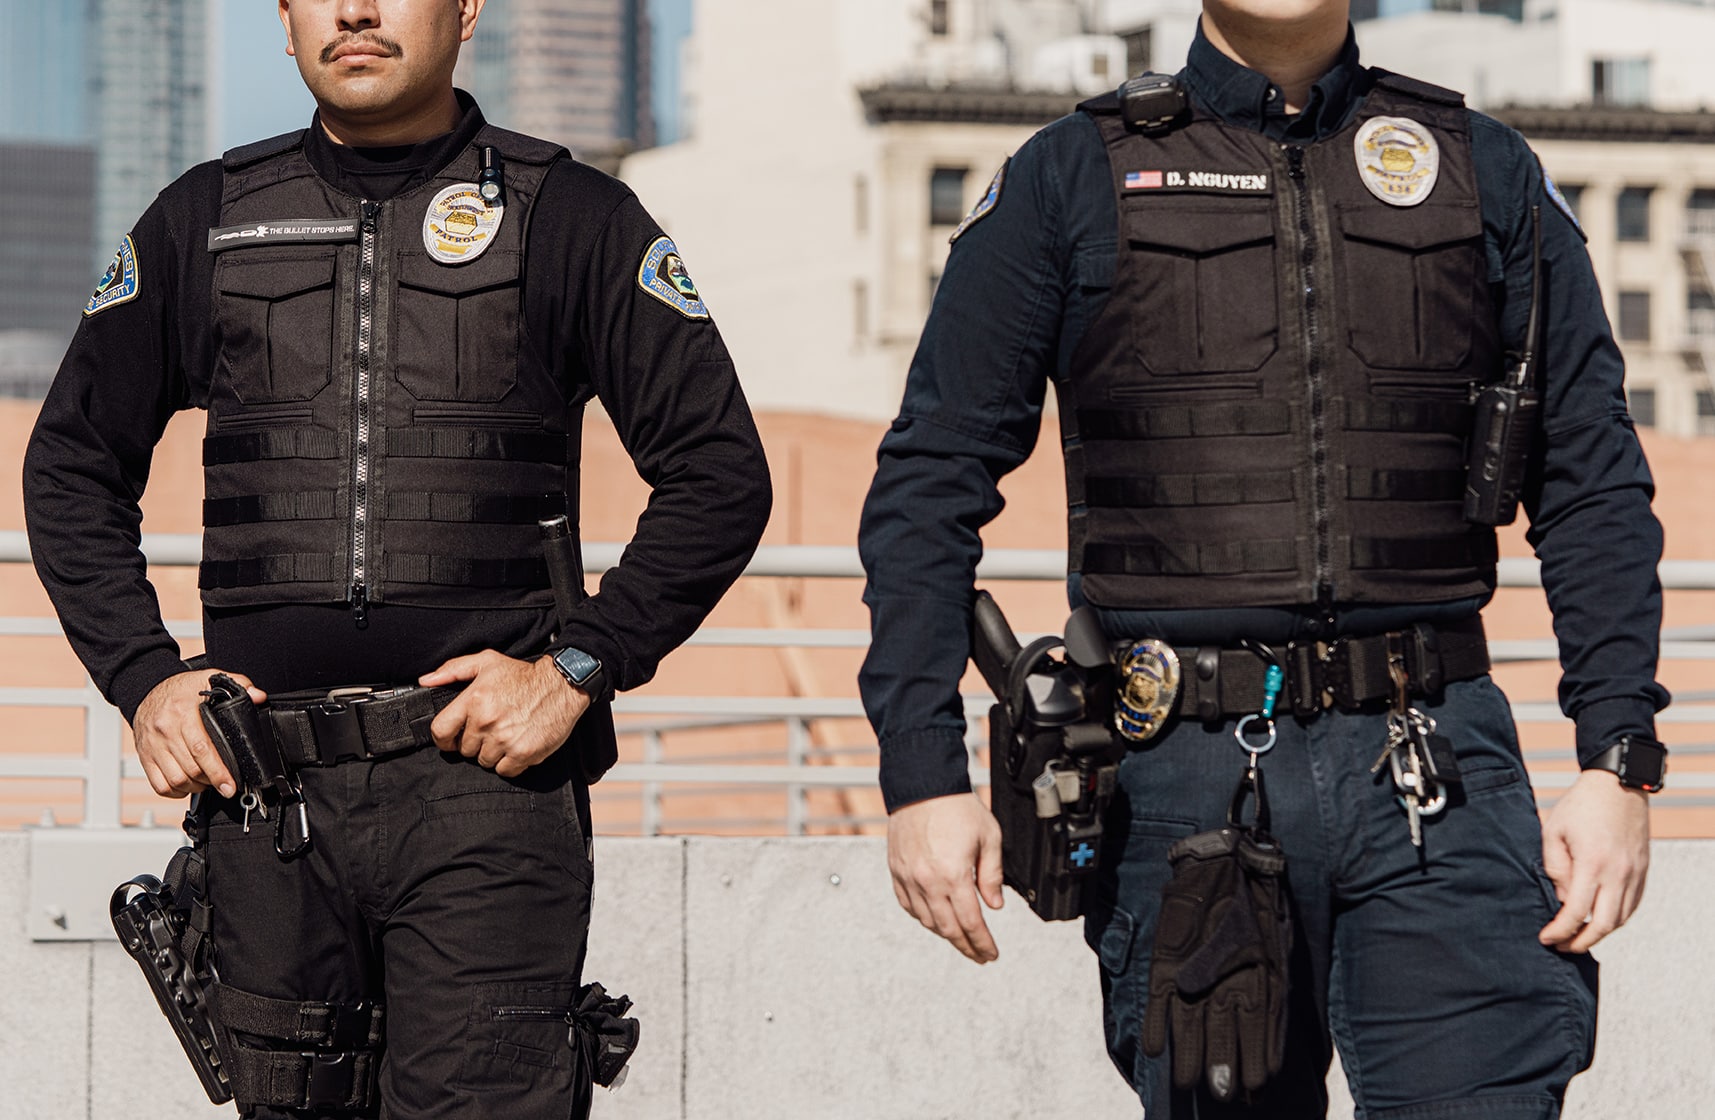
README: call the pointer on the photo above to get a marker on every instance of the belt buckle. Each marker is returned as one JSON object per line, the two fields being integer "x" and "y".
{"x": 334, "y": 721}
{"x": 1336, "y": 675}
{"x": 331, "y": 1079}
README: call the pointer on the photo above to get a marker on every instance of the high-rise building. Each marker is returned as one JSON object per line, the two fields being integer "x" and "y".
{"x": 148, "y": 102}
{"x": 45, "y": 249}
{"x": 573, "y": 71}
{"x": 42, "y": 65}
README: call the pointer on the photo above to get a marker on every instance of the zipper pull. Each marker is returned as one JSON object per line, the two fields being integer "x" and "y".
{"x": 367, "y": 216}
{"x": 360, "y": 606}
{"x": 1295, "y": 161}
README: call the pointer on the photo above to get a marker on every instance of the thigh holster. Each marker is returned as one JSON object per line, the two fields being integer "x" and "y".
{"x": 292, "y": 1054}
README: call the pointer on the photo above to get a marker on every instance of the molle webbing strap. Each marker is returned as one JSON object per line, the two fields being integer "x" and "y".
{"x": 458, "y": 571}
{"x": 486, "y": 508}
{"x": 326, "y": 1026}
{"x": 299, "y": 567}
{"x": 313, "y": 505}
{"x": 1189, "y": 560}
{"x": 477, "y": 443}
{"x": 1405, "y": 486}
{"x": 284, "y": 443}
{"x": 310, "y": 1080}
{"x": 1178, "y": 421}
{"x": 1387, "y": 415}
{"x": 1170, "y": 490}
{"x": 1405, "y": 553}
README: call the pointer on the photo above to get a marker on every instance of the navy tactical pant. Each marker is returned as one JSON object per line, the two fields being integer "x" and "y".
{"x": 456, "y": 898}
{"x": 1424, "y": 969}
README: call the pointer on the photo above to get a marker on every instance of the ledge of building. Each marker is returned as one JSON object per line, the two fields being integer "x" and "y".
{"x": 894, "y": 103}
{"x": 1609, "y": 123}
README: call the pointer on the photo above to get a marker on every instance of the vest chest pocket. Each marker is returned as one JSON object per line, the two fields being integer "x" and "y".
{"x": 275, "y": 318}
{"x": 1198, "y": 286}
{"x": 456, "y": 327}
{"x": 1411, "y": 277}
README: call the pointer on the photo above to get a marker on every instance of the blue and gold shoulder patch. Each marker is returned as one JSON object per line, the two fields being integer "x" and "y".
{"x": 1559, "y": 199}
{"x": 984, "y": 205}
{"x": 120, "y": 283}
{"x": 663, "y": 276}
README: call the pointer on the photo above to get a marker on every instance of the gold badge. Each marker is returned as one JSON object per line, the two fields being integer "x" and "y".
{"x": 1398, "y": 159}
{"x": 459, "y": 224}
{"x": 1148, "y": 689}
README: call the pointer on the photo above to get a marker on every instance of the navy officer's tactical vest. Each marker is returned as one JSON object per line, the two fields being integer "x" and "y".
{"x": 380, "y": 427}
{"x": 1272, "y": 407}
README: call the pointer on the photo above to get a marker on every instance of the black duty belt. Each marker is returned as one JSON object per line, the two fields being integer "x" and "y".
{"x": 352, "y": 723}
{"x": 1346, "y": 673}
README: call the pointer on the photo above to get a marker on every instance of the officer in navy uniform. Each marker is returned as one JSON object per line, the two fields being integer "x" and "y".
{"x": 1262, "y": 317}
{"x": 394, "y": 320}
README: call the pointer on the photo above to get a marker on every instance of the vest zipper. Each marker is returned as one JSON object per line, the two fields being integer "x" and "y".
{"x": 358, "y": 594}
{"x": 1313, "y": 372}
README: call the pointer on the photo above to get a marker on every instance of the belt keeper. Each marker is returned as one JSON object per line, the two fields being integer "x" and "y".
{"x": 1304, "y": 665}
{"x": 1337, "y": 675}
{"x": 331, "y": 1080}
{"x": 1425, "y": 654}
{"x": 1209, "y": 684}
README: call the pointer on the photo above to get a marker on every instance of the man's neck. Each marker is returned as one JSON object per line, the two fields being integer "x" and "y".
{"x": 395, "y": 130}
{"x": 1291, "y": 55}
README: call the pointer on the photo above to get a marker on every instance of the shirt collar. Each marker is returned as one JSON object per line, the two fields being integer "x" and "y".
{"x": 1243, "y": 97}
{"x": 416, "y": 164}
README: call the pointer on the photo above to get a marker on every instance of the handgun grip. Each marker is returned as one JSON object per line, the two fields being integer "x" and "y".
{"x": 994, "y": 647}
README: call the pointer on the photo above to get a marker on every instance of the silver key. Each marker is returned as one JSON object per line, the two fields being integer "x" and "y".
{"x": 1414, "y": 820}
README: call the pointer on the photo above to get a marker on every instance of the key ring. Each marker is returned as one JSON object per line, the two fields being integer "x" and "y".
{"x": 1250, "y": 748}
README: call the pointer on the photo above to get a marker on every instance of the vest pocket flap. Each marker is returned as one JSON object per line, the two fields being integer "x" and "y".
{"x": 1414, "y": 228}
{"x": 274, "y": 278}
{"x": 495, "y": 268}
{"x": 1198, "y": 231}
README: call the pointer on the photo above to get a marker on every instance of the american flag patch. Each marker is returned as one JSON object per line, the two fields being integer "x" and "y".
{"x": 1140, "y": 180}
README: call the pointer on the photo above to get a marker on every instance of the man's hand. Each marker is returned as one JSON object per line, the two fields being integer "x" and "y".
{"x": 512, "y": 715}
{"x": 171, "y": 742}
{"x": 1595, "y": 846}
{"x": 944, "y": 852}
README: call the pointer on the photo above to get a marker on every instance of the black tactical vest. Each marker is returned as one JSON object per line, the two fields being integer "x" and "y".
{"x": 380, "y": 428}
{"x": 1271, "y": 409}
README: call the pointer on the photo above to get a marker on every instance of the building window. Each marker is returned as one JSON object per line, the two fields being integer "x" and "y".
{"x": 937, "y": 17}
{"x": 1700, "y": 212}
{"x": 947, "y": 195}
{"x": 1631, "y": 213}
{"x": 1634, "y": 316}
{"x": 1705, "y": 412}
{"x": 860, "y": 204}
{"x": 860, "y": 310}
{"x": 1139, "y": 48}
{"x": 1619, "y": 81}
{"x": 1641, "y": 403}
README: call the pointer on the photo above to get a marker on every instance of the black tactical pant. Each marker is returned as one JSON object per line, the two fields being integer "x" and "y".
{"x": 457, "y": 899}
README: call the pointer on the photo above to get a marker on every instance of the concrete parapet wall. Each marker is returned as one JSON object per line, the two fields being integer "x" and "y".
{"x": 777, "y": 978}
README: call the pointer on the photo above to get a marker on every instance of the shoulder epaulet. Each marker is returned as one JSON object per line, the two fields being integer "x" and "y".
{"x": 261, "y": 150}
{"x": 1423, "y": 91}
{"x": 520, "y": 148}
{"x": 1104, "y": 106}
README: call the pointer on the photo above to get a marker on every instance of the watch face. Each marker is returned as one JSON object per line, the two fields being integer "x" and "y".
{"x": 578, "y": 666}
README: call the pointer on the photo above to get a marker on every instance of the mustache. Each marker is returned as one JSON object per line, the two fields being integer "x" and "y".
{"x": 372, "y": 38}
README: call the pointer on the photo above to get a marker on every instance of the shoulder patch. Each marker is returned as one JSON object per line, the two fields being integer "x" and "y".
{"x": 985, "y": 205}
{"x": 1552, "y": 189}
{"x": 662, "y": 274}
{"x": 120, "y": 283}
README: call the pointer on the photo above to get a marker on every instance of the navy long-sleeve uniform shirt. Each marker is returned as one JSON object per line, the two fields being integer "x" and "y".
{"x": 1024, "y": 282}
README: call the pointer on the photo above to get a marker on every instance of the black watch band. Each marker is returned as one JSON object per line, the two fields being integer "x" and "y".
{"x": 1640, "y": 763}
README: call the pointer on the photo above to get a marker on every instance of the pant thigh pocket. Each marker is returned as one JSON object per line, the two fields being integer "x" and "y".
{"x": 519, "y": 1053}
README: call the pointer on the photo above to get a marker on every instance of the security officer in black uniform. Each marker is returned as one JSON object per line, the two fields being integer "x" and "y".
{"x": 394, "y": 320}
{"x": 1263, "y": 310}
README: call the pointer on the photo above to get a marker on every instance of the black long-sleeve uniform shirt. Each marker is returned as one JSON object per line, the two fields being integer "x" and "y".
{"x": 1011, "y": 309}
{"x": 665, "y": 379}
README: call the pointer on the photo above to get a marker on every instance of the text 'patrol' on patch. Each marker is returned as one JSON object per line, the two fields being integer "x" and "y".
{"x": 459, "y": 224}
{"x": 985, "y": 204}
{"x": 662, "y": 274}
{"x": 277, "y": 230}
{"x": 1218, "y": 182}
{"x": 120, "y": 283}
{"x": 1398, "y": 159}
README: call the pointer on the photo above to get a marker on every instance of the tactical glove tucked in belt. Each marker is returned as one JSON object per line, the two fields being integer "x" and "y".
{"x": 1219, "y": 970}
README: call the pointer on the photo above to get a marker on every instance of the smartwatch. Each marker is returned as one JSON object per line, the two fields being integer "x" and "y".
{"x": 582, "y": 670}
{"x": 1641, "y": 763}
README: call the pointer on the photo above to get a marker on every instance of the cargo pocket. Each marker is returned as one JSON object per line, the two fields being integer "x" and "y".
{"x": 456, "y": 327}
{"x": 275, "y": 319}
{"x": 1412, "y": 278}
{"x": 519, "y": 1054}
{"x": 1200, "y": 287}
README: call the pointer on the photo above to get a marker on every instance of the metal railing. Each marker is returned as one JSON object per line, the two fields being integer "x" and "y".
{"x": 652, "y": 718}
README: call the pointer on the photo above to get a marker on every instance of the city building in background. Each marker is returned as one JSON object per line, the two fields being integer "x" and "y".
{"x": 44, "y": 257}
{"x": 43, "y": 68}
{"x": 576, "y": 72}
{"x": 148, "y": 100}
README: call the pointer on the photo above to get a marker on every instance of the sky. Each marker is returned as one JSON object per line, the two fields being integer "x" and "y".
{"x": 261, "y": 95}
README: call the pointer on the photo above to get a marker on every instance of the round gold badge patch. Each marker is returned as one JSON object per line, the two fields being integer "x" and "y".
{"x": 1398, "y": 159}
{"x": 459, "y": 224}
